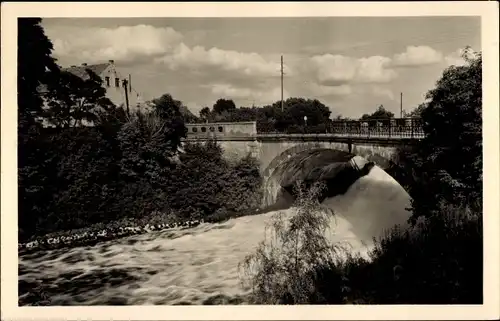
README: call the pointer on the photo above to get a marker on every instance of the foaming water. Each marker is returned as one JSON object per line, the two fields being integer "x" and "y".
{"x": 200, "y": 265}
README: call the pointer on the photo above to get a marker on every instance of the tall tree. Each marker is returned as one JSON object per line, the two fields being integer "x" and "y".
{"x": 72, "y": 100}
{"x": 205, "y": 113}
{"x": 168, "y": 110}
{"x": 34, "y": 63}
{"x": 222, "y": 105}
{"x": 448, "y": 161}
{"x": 34, "y": 52}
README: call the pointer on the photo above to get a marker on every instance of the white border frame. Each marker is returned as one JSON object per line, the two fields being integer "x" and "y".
{"x": 489, "y": 14}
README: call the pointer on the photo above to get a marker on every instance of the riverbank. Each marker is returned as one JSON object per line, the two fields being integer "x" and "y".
{"x": 102, "y": 232}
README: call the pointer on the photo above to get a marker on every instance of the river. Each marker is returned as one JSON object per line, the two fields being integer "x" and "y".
{"x": 199, "y": 265}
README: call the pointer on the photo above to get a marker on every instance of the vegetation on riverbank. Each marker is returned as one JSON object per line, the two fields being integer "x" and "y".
{"x": 97, "y": 184}
{"x": 439, "y": 260}
{"x": 121, "y": 169}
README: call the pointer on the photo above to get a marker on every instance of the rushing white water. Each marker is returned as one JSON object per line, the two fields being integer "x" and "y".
{"x": 199, "y": 265}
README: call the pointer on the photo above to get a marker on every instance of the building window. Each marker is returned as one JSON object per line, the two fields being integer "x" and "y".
{"x": 221, "y": 129}
{"x": 203, "y": 129}
{"x": 195, "y": 129}
{"x": 107, "y": 81}
{"x": 212, "y": 129}
{"x": 117, "y": 82}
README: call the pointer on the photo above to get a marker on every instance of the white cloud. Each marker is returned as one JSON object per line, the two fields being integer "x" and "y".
{"x": 262, "y": 96}
{"x": 321, "y": 91}
{"x": 197, "y": 58}
{"x": 382, "y": 92}
{"x": 417, "y": 56}
{"x": 124, "y": 43}
{"x": 336, "y": 70}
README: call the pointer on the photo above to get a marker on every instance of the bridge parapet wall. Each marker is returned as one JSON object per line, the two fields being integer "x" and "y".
{"x": 222, "y": 131}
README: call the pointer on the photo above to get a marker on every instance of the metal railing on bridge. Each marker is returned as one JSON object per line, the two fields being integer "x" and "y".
{"x": 409, "y": 128}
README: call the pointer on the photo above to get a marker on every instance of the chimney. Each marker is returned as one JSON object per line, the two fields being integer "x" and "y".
{"x": 111, "y": 61}
{"x": 84, "y": 64}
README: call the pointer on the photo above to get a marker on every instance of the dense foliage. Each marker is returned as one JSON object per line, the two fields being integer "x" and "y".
{"x": 446, "y": 166}
{"x": 380, "y": 113}
{"x": 72, "y": 101}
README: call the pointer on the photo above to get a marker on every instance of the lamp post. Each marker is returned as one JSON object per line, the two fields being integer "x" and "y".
{"x": 305, "y": 123}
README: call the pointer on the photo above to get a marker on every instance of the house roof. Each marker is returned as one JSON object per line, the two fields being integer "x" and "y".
{"x": 79, "y": 71}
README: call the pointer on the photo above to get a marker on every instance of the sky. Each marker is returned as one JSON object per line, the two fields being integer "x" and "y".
{"x": 351, "y": 64}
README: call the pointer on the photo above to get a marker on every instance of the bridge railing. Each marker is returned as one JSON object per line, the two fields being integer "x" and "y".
{"x": 375, "y": 128}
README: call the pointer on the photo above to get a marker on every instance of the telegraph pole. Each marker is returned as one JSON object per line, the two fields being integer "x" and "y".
{"x": 125, "y": 87}
{"x": 401, "y": 106}
{"x": 281, "y": 83}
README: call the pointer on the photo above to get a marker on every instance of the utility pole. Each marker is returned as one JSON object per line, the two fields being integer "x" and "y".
{"x": 129, "y": 83}
{"x": 125, "y": 87}
{"x": 401, "y": 106}
{"x": 281, "y": 83}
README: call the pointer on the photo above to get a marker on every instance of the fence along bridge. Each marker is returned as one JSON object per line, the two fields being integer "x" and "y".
{"x": 402, "y": 129}
{"x": 376, "y": 140}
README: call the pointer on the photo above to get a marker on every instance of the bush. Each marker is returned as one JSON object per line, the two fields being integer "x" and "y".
{"x": 205, "y": 183}
{"x": 284, "y": 269}
{"x": 438, "y": 261}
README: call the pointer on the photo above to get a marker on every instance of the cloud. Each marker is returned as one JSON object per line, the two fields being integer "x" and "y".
{"x": 333, "y": 47}
{"x": 124, "y": 43}
{"x": 324, "y": 91}
{"x": 262, "y": 96}
{"x": 382, "y": 92}
{"x": 417, "y": 56}
{"x": 336, "y": 70}
{"x": 200, "y": 59}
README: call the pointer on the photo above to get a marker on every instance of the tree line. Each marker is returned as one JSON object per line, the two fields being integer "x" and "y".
{"x": 290, "y": 119}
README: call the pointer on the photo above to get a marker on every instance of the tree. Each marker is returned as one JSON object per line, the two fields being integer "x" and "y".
{"x": 222, "y": 105}
{"x": 34, "y": 51}
{"x": 380, "y": 113}
{"x": 168, "y": 110}
{"x": 205, "y": 113}
{"x": 417, "y": 112}
{"x": 71, "y": 100}
{"x": 448, "y": 161}
{"x": 35, "y": 62}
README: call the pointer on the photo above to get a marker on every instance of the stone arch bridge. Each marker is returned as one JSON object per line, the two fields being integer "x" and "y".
{"x": 379, "y": 144}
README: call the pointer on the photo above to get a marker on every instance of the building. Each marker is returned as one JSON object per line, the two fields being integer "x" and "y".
{"x": 118, "y": 85}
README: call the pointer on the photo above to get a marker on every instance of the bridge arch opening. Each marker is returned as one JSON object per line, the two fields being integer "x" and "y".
{"x": 383, "y": 158}
{"x": 287, "y": 165}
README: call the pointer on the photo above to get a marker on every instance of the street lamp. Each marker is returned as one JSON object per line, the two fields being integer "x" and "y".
{"x": 305, "y": 124}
